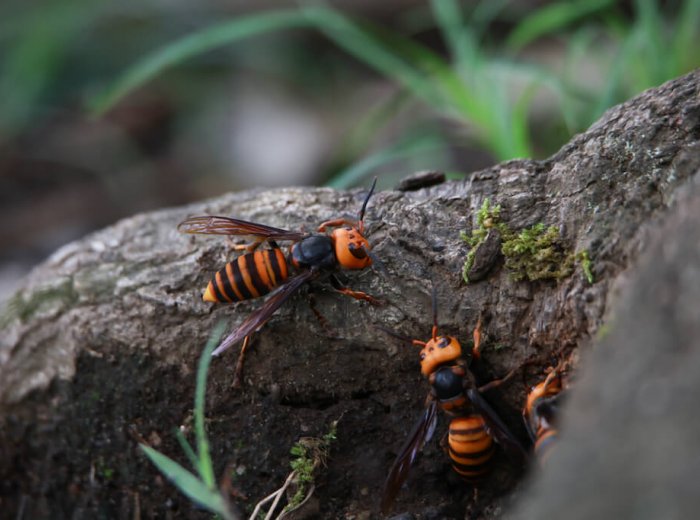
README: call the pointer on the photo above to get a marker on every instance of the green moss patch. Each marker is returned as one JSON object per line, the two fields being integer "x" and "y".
{"x": 534, "y": 253}
{"x": 487, "y": 217}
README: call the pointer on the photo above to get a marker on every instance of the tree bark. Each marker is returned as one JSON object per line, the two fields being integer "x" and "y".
{"x": 630, "y": 429}
{"x": 99, "y": 348}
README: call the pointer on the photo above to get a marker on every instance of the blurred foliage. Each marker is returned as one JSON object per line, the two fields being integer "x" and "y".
{"x": 473, "y": 70}
{"x": 53, "y": 54}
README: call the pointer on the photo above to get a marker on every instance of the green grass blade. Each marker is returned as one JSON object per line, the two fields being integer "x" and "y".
{"x": 651, "y": 59}
{"x": 615, "y": 76}
{"x": 196, "y": 43}
{"x": 419, "y": 70}
{"x": 448, "y": 93}
{"x": 423, "y": 73}
{"x": 189, "y": 452}
{"x": 570, "y": 99}
{"x": 509, "y": 141}
{"x": 365, "y": 46}
{"x": 188, "y": 483}
{"x": 510, "y": 85}
{"x": 484, "y": 13}
{"x": 459, "y": 97}
{"x": 458, "y": 37}
{"x": 205, "y": 467}
{"x": 360, "y": 137}
{"x": 551, "y": 18}
{"x": 34, "y": 44}
{"x": 519, "y": 121}
{"x": 684, "y": 45}
{"x": 476, "y": 93}
{"x": 27, "y": 74}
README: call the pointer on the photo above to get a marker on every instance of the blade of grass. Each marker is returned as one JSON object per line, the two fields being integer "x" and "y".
{"x": 359, "y": 42}
{"x": 419, "y": 70}
{"x": 459, "y": 38}
{"x": 551, "y": 18}
{"x": 684, "y": 44}
{"x": 26, "y": 75}
{"x": 432, "y": 80}
{"x": 205, "y": 467}
{"x": 365, "y": 131}
{"x": 445, "y": 90}
{"x": 188, "y": 483}
{"x": 189, "y": 452}
{"x": 651, "y": 59}
{"x": 609, "y": 94}
{"x": 576, "y": 95}
{"x": 508, "y": 138}
{"x": 484, "y": 13}
{"x": 504, "y": 84}
{"x": 33, "y": 47}
{"x": 192, "y": 45}
{"x": 519, "y": 117}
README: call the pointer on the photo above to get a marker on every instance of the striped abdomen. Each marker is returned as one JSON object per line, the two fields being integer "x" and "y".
{"x": 470, "y": 446}
{"x": 249, "y": 276}
{"x": 540, "y": 413}
{"x": 546, "y": 438}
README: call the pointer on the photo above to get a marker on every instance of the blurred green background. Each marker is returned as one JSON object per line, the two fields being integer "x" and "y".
{"x": 107, "y": 108}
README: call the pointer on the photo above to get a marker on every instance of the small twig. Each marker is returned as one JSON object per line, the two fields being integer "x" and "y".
{"x": 276, "y": 496}
{"x": 287, "y": 482}
{"x": 310, "y": 453}
{"x": 306, "y": 499}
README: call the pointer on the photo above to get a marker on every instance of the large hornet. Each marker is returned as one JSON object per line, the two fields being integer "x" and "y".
{"x": 474, "y": 425}
{"x": 542, "y": 410}
{"x": 257, "y": 272}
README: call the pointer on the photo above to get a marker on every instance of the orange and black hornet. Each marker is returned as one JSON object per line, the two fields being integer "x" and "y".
{"x": 474, "y": 424}
{"x": 261, "y": 271}
{"x": 541, "y": 411}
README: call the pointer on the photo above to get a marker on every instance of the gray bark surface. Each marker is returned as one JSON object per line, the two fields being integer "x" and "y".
{"x": 629, "y": 444}
{"x": 99, "y": 348}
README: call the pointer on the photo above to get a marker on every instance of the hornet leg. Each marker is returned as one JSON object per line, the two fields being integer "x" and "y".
{"x": 358, "y": 295}
{"x": 498, "y": 382}
{"x": 320, "y": 317}
{"x": 238, "y": 373}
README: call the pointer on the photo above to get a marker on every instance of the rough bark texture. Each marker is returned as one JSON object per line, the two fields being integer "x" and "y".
{"x": 99, "y": 349}
{"x": 629, "y": 447}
